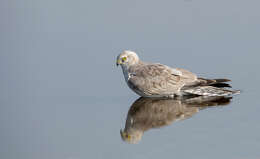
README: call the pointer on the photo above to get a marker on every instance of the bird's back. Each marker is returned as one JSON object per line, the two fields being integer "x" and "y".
{"x": 158, "y": 80}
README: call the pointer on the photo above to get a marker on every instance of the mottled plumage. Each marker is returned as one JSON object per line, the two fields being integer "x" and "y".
{"x": 158, "y": 80}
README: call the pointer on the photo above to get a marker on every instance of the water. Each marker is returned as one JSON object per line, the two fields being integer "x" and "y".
{"x": 62, "y": 96}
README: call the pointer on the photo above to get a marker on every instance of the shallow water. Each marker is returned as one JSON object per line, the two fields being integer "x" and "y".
{"x": 62, "y": 96}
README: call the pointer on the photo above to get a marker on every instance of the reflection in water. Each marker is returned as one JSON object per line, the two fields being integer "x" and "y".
{"x": 147, "y": 113}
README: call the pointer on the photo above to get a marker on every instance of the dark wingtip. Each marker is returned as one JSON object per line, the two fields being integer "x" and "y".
{"x": 220, "y": 85}
{"x": 222, "y": 80}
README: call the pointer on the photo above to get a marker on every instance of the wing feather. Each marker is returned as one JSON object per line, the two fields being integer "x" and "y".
{"x": 158, "y": 79}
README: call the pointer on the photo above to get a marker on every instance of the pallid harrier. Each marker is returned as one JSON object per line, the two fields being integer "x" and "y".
{"x": 158, "y": 80}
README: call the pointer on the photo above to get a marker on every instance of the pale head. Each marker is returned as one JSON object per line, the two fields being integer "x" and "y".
{"x": 127, "y": 58}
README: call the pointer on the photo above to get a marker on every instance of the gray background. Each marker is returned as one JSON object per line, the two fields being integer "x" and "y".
{"x": 62, "y": 96}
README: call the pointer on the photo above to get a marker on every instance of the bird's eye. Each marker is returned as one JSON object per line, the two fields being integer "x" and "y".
{"x": 123, "y": 59}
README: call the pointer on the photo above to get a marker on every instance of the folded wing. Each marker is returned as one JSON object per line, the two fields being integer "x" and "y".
{"x": 158, "y": 79}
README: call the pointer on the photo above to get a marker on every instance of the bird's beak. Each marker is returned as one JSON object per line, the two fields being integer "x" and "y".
{"x": 121, "y": 132}
{"x": 124, "y": 135}
{"x": 118, "y": 62}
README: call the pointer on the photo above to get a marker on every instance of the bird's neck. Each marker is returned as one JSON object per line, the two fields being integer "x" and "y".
{"x": 128, "y": 70}
{"x": 126, "y": 73}
{"x": 131, "y": 68}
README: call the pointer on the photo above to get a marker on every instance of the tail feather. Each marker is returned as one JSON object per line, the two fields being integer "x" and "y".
{"x": 211, "y": 91}
{"x": 220, "y": 83}
{"x": 210, "y": 87}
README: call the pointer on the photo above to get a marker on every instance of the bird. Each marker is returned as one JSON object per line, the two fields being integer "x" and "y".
{"x": 158, "y": 80}
{"x": 149, "y": 113}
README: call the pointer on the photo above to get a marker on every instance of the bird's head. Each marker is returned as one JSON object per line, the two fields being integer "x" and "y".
{"x": 127, "y": 58}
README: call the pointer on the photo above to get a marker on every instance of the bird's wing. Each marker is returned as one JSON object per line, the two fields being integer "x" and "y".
{"x": 158, "y": 79}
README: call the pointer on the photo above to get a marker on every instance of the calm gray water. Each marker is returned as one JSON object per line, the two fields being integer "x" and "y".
{"x": 62, "y": 96}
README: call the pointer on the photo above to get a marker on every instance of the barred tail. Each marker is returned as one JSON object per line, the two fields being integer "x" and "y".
{"x": 211, "y": 91}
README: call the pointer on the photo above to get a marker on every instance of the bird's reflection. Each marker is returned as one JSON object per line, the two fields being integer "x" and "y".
{"x": 147, "y": 113}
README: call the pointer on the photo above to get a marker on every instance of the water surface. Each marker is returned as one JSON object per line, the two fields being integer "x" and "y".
{"x": 62, "y": 96}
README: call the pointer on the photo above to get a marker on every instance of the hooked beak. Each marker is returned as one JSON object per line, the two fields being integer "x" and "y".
{"x": 125, "y": 136}
{"x": 121, "y": 132}
{"x": 118, "y": 62}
